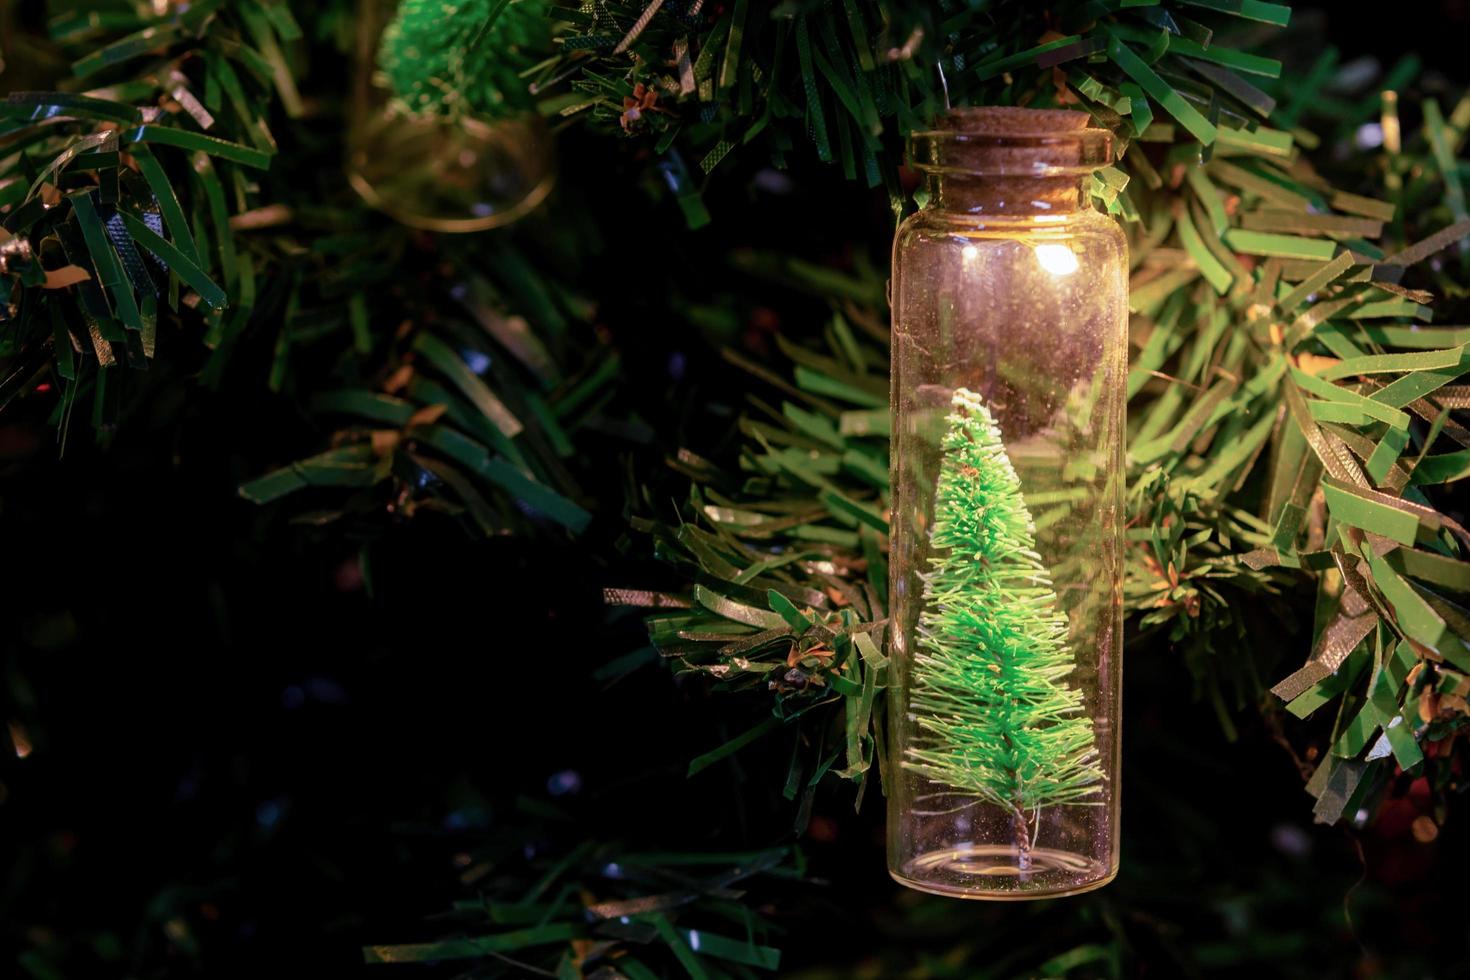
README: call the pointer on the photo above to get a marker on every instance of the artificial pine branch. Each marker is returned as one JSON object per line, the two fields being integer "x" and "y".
{"x": 999, "y": 720}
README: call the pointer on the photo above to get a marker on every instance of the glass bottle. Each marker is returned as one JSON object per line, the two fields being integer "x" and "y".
{"x": 447, "y": 173}
{"x": 1010, "y": 321}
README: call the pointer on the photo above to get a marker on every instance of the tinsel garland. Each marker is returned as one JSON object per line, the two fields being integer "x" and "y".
{"x": 135, "y": 217}
{"x": 1275, "y": 339}
{"x": 1273, "y": 329}
{"x": 1290, "y": 413}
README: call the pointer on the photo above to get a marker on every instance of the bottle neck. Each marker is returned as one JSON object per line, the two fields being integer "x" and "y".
{"x": 1014, "y": 196}
{"x": 1003, "y": 160}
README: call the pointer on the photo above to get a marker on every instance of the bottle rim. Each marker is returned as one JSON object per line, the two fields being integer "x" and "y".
{"x": 1003, "y": 141}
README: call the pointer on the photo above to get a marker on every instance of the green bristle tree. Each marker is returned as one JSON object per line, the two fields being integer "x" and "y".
{"x": 449, "y": 57}
{"x": 999, "y": 720}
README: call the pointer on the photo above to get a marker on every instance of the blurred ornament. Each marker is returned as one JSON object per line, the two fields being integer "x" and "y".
{"x": 450, "y": 175}
{"x": 443, "y": 135}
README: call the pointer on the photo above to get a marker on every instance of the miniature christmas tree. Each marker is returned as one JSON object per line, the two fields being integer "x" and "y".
{"x": 997, "y": 718}
{"x": 448, "y": 57}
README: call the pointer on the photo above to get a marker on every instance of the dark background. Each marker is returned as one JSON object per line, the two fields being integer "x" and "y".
{"x": 239, "y": 763}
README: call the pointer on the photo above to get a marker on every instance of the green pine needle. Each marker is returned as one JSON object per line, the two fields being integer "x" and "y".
{"x": 451, "y": 57}
{"x": 996, "y": 716}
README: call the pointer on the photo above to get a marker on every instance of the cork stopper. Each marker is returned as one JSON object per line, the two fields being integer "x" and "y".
{"x": 1022, "y": 157}
{"x": 1009, "y": 120}
{"x": 1010, "y": 141}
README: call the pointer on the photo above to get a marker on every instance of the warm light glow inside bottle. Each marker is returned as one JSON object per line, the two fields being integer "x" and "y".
{"x": 1010, "y": 323}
